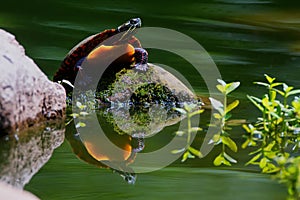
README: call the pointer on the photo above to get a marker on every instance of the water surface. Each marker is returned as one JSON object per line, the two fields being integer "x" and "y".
{"x": 246, "y": 39}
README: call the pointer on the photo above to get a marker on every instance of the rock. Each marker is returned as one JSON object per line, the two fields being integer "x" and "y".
{"x": 158, "y": 84}
{"x": 8, "y": 192}
{"x": 26, "y": 94}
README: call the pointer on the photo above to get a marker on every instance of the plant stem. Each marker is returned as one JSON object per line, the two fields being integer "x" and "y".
{"x": 189, "y": 129}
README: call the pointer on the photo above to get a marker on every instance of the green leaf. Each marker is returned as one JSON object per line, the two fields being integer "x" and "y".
{"x": 80, "y": 124}
{"x": 279, "y": 91}
{"x": 236, "y": 122}
{"x": 246, "y": 143}
{"x": 217, "y": 105}
{"x": 229, "y": 158}
{"x": 179, "y": 133}
{"x": 231, "y": 86}
{"x": 272, "y": 95}
{"x": 230, "y": 143}
{"x": 176, "y": 151}
{"x": 296, "y": 105}
{"x": 196, "y": 129}
{"x": 221, "y": 88}
{"x": 189, "y": 107}
{"x": 270, "y": 146}
{"x": 191, "y": 155}
{"x": 293, "y": 92}
{"x": 185, "y": 156}
{"x": 270, "y": 168}
{"x": 180, "y": 110}
{"x": 261, "y": 83}
{"x": 227, "y": 116}
{"x": 270, "y": 154}
{"x": 255, "y": 152}
{"x": 195, "y": 152}
{"x": 286, "y": 88}
{"x": 84, "y": 113}
{"x": 226, "y": 162}
{"x": 263, "y": 162}
{"x": 216, "y": 138}
{"x": 74, "y": 115}
{"x": 275, "y": 85}
{"x": 80, "y": 106}
{"x": 275, "y": 115}
{"x": 247, "y": 128}
{"x": 265, "y": 102}
{"x": 269, "y": 79}
{"x": 254, "y": 101}
{"x": 223, "y": 83}
{"x": 197, "y": 112}
{"x": 217, "y": 116}
{"x": 232, "y": 106}
{"x": 219, "y": 160}
{"x": 255, "y": 158}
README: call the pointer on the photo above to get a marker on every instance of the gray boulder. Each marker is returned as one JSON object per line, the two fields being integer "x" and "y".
{"x": 27, "y": 96}
{"x": 11, "y": 193}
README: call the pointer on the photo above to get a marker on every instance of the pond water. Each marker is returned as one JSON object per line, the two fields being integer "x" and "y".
{"x": 245, "y": 38}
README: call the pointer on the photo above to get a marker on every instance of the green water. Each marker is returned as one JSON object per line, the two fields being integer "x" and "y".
{"x": 246, "y": 39}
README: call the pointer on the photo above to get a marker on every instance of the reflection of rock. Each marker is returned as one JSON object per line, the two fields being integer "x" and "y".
{"x": 22, "y": 155}
{"x": 148, "y": 121}
{"x": 10, "y": 193}
{"x": 26, "y": 94}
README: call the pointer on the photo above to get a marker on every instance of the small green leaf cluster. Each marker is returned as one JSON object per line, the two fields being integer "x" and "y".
{"x": 85, "y": 104}
{"x": 223, "y": 116}
{"x": 276, "y": 133}
{"x": 189, "y": 110}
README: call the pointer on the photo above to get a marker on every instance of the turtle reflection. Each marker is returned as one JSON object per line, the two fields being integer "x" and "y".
{"x": 127, "y": 129}
{"x": 91, "y": 152}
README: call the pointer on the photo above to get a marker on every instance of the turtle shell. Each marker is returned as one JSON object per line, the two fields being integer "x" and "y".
{"x": 67, "y": 71}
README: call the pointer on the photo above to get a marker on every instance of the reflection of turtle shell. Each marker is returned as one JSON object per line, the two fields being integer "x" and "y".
{"x": 81, "y": 50}
{"x": 98, "y": 155}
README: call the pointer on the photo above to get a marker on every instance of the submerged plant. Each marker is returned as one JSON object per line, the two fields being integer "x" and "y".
{"x": 189, "y": 110}
{"x": 276, "y": 133}
{"x": 85, "y": 104}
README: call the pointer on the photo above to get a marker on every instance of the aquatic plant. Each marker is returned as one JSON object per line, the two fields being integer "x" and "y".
{"x": 223, "y": 116}
{"x": 276, "y": 134}
{"x": 189, "y": 110}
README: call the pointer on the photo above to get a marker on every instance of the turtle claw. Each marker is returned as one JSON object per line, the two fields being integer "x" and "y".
{"x": 138, "y": 142}
{"x": 141, "y": 67}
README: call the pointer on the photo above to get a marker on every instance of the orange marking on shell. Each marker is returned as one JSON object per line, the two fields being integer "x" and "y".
{"x": 124, "y": 53}
{"x": 107, "y": 154}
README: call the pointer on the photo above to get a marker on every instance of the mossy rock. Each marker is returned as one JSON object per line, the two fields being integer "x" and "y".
{"x": 156, "y": 85}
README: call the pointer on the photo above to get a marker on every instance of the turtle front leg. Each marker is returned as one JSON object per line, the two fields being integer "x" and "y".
{"x": 141, "y": 59}
{"x": 83, "y": 79}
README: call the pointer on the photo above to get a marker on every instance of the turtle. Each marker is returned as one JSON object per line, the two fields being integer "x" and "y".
{"x": 99, "y": 47}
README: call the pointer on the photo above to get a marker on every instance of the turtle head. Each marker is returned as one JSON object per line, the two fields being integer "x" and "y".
{"x": 129, "y": 177}
{"x": 130, "y": 25}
